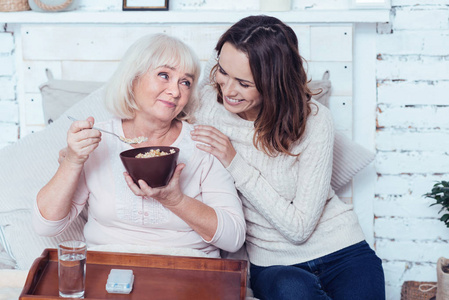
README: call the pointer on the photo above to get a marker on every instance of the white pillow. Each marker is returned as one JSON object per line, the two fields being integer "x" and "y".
{"x": 349, "y": 159}
{"x": 59, "y": 95}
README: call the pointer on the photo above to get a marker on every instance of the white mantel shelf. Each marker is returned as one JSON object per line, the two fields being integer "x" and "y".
{"x": 217, "y": 17}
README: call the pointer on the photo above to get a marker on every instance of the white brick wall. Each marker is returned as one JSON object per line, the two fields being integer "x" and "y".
{"x": 412, "y": 140}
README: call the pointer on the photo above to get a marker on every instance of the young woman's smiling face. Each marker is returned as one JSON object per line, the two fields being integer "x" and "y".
{"x": 240, "y": 95}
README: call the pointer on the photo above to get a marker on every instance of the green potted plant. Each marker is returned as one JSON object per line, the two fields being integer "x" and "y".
{"x": 440, "y": 192}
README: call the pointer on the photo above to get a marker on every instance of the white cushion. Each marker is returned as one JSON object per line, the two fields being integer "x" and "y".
{"x": 59, "y": 95}
{"x": 349, "y": 159}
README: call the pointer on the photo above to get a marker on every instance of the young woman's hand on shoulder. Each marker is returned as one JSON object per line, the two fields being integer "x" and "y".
{"x": 217, "y": 143}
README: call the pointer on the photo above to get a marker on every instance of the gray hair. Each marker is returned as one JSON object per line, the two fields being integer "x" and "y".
{"x": 148, "y": 53}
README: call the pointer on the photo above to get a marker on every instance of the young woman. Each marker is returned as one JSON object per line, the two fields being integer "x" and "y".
{"x": 152, "y": 94}
{"x": 302, "y": 241}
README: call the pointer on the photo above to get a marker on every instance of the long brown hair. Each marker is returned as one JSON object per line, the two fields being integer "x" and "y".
{"x": 279, "y": 76}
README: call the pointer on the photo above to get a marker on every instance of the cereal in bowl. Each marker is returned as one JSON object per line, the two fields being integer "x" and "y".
{"x": 154, "y": 153}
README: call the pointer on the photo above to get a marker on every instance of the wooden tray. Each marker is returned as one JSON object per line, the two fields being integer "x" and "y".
{"x": 155, "y": 276}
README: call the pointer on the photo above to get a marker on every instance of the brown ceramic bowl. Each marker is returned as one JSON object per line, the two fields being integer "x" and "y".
{"x": 155, "y": 171}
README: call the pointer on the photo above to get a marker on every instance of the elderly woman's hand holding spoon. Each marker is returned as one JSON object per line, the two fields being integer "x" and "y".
{"x": 81, "y": 141}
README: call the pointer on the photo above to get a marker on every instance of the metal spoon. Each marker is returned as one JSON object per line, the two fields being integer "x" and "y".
{"x": 137, "y": 140}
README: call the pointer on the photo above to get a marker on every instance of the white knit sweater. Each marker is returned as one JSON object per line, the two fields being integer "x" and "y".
{"x": 292, "y": 213}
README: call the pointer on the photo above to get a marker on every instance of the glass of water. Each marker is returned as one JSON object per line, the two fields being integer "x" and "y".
{"x": 72, "y": 268}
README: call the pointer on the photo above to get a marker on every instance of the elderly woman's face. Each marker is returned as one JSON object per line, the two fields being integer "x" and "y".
{"x": 240, "y": 95}
{"x": 162, "y": 93}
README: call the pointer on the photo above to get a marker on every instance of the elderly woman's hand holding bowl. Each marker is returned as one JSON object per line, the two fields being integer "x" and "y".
{"x": 151, "y": 94}
{"x": 150, "y": 169}
{"x": 154, "y": 166}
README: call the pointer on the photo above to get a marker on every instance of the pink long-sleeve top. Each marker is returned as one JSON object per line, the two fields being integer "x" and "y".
{"x": 117, "y": 216}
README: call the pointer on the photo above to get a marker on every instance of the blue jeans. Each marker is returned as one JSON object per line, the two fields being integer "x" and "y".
{"x": 352, "y": 273}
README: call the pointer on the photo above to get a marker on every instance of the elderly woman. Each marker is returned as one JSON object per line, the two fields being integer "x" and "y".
{"x": 152, "y": 94}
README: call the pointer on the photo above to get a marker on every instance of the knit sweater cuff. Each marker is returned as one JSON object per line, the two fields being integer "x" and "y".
{"x": 237, "y": 170}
